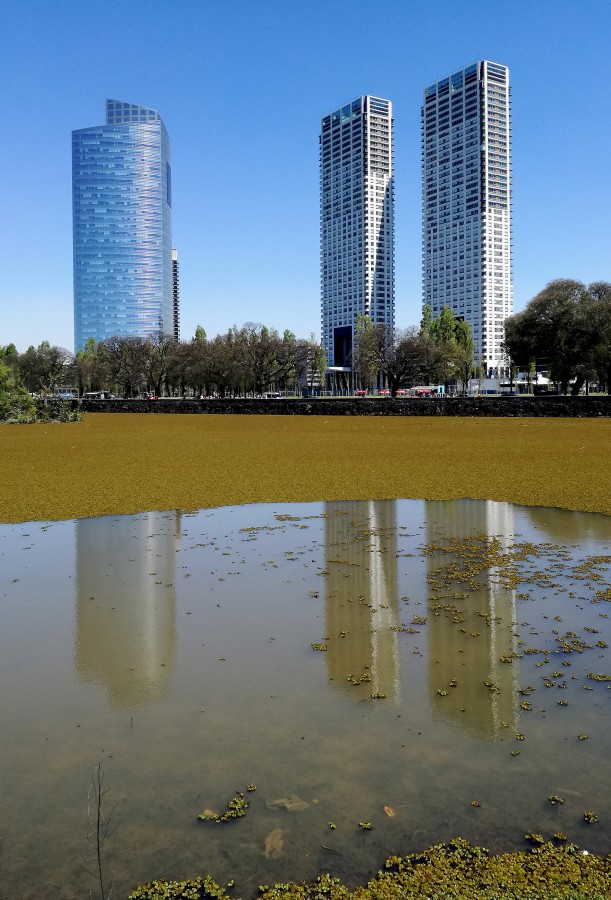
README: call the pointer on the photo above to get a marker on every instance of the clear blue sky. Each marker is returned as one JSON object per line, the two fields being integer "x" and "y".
{"x": 241, "y": 86}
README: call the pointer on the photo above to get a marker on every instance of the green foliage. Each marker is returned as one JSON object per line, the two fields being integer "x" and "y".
{"x": 193, "y": 889}
{"x": 366, "y": 350}
{"x": 443, "y": 327}
{"x": 453, "y": 871}
{"x": 313, "y": 360}
{"x": 568, "y": 325}
{"x": 16, "y": 405}
{"x": 464, "y": 352}
{"x": 57, "y": 409}
{"x": 236, "y": 808}
{"x": 453, "y": 352}
{"x": 426, "y": 323}
{"x": 44, "y": 367}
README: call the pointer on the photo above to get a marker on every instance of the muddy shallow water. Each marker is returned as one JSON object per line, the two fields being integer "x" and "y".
{"x": 453, "y": 644}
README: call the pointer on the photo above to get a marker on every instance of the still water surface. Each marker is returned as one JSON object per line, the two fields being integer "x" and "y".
{"x": 176, "y": 650}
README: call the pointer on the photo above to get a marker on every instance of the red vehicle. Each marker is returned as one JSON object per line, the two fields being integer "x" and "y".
{"x": 360, "y": 393}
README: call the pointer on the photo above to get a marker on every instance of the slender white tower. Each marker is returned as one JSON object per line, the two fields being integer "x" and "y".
{"x": 356, "y": 222}
{"x": 466, "y": 203}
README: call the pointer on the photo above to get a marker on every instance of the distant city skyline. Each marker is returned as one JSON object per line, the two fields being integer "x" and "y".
{"x": 122, "y": 226}
{"x": 244, "y": 119}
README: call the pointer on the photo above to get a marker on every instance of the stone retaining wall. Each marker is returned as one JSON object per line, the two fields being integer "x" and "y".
{"x": 554, "y": 406}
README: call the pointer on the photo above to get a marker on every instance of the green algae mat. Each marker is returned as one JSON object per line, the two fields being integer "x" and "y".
{"x": 122, "y": 463}
{"x": 456, "y": 870}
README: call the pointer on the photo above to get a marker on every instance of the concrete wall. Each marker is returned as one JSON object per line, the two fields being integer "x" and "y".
{"x": 581, "y": 407}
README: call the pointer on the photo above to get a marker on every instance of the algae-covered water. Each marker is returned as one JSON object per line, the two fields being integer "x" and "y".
{"x": 429, "y": 668}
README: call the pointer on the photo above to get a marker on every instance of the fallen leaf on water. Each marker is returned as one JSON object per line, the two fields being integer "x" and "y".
{"x": 389, "y": 812}
{"x": 273, "y": 844}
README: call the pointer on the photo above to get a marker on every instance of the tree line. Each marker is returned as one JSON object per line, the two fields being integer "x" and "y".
{"x": 250, "y": 360}
{"x": 565, "y": 329}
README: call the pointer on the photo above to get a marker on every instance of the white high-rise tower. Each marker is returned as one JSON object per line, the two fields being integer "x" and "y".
{"x": 466, "y": 203}
{"x": 356, "y": 222}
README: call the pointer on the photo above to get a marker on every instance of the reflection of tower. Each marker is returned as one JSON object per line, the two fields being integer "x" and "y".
{"x": 468, "y": 638}
{"x": 361, "y": 599}
{"x": 126, "y": 598}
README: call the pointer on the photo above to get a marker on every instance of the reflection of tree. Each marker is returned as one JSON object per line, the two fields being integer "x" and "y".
{"x": 361, "y": 595}
{"x": 565, "y": 525}
{"x": 469, "y": 637}
{"x": 126, "y": 598}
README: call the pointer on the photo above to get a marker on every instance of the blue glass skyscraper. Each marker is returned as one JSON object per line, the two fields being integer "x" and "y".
{"x": 122, "y": 226}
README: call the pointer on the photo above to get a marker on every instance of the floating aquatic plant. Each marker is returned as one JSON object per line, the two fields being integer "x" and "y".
{"x": 534, "y": 838}
{"x": 236, "y": 808}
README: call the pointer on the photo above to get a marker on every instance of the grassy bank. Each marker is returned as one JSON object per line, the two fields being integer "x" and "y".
{"x": 120, "y": 463}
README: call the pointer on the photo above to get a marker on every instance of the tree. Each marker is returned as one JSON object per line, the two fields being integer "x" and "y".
{"x": 402, "y": 357}
{"x": 600, "y": 327}
{"x": 227, "y": 366}
{"x": 368, "y": 339}
{"x": 464, "y": 352}
{"x": 426, "y": 323}
{"x": 156, "y": 359}
{"x": 311, "y": 361}
{"x": 443, "y": 327}
{"x": 15, "y": 402}
{"x": 124, "y": 361}
{"x": 560, "y": 325}
{"x": 446, "y": 357}
{"x": 89, "y": 368}
{"x": 268, "y": 358}
{"x": 44, "y": 367}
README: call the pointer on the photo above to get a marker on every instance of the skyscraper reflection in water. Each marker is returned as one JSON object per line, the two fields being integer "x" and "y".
{"x": 467, "y": 646}
{"x": 125, "y": 634}
{"x": 361, "y": 596}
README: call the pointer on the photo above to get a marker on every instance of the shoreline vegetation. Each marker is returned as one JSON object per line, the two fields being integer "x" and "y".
{"x": 122, "y": 463}
{"x": 455, "y": 870}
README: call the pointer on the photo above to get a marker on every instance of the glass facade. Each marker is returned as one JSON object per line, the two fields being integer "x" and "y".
{"x": 122, "y": 226}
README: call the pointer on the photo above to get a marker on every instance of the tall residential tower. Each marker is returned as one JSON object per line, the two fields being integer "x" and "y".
{"x": 122, "y": 226}
{"x": 466, "y": 209}
{"x": 356, "y": 222}
{"x": 175, "y": 297}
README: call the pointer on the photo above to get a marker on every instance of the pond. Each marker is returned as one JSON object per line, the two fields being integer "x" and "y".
{"x": 429, "y": 668}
